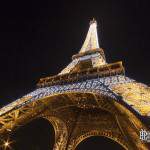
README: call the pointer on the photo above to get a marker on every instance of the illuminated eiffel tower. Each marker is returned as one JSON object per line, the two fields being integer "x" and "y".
{"x": 89, "y": 97}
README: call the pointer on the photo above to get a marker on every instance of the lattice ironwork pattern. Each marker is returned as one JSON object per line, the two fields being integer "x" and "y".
{"x": 87, "y": 98}
{"x": 101, "y": 85}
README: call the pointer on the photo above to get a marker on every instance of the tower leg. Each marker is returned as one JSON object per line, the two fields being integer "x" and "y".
{"x": 61, "y": 134}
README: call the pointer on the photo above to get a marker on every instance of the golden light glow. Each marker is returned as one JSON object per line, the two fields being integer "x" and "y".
{"x": 7, "y": 144}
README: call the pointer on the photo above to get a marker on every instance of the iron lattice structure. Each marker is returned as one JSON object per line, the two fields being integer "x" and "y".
{"x": 89, "y": 97}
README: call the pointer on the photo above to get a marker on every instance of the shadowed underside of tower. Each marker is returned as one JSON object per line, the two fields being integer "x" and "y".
{"x": 89, "y": 97}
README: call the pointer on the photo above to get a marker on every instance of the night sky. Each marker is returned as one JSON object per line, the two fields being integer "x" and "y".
{"x": 38, "y": 39}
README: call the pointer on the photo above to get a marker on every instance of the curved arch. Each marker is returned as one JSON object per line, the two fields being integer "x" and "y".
{"x": 113, "y": 136}
{"x": 61, "y": 133}
{"x": 99, "y": 142}
{"x": 36, "y": 134}
{"x": 83, "y": 100}
{"x": 93, "y": 86}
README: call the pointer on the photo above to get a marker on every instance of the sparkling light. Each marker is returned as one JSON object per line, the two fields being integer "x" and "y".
{"x": 6, "y": 144}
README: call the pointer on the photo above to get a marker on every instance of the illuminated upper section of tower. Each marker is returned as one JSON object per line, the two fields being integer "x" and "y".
{"x": 91, "y": 41}
{"x": 87, "y": 63}
{"x": 90, "y": 55}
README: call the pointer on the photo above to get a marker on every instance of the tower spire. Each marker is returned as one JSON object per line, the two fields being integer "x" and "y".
{"x": 90, "y": 55}
{"x": 91, "y": 41}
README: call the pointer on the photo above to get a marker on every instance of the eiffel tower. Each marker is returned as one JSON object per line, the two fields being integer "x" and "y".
{"x": 89, "y": 97}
